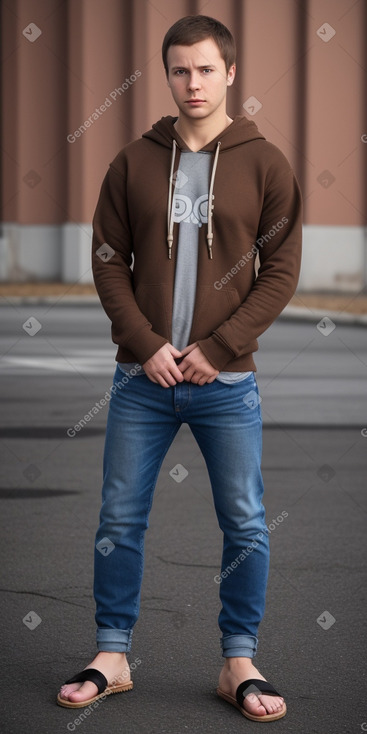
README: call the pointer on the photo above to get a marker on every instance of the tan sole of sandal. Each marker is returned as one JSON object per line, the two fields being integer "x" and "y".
{"x": 252, "y": 717}
{"x": 83, "y": 704}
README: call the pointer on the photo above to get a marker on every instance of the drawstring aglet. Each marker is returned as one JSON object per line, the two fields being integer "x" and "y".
{"x": 209, "y": 238}
{"x": 170, "y": 242}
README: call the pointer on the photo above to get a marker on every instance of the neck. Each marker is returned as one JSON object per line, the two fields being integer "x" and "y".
{"x": 198, "y": 133}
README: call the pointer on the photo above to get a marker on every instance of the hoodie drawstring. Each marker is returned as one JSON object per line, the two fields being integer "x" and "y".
{"x": 209, "y": 236}
{"x": 170, "y": 209}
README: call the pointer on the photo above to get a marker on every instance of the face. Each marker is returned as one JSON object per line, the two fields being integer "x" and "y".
{"x": 198, "y": 79}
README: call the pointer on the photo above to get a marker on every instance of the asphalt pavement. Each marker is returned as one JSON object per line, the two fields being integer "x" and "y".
{"x": 56, "y": 363}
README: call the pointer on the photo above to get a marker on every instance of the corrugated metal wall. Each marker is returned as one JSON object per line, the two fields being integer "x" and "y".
{"x": 84, "y": 77}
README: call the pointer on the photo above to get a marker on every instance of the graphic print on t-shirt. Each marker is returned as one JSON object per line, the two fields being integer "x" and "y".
{"x": 190, "y": 212}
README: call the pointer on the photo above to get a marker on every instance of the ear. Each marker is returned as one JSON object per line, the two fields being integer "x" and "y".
{"x": 231, "y": 75}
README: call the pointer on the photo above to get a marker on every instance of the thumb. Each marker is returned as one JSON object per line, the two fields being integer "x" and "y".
{"x": 175, "y": 352}
{"x": 189, "y": 349}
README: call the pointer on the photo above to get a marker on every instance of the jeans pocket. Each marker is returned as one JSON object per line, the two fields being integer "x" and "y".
{"x": 251, "y": 396}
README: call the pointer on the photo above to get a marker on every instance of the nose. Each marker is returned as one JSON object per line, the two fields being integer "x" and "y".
{"x": 194, "y": 81}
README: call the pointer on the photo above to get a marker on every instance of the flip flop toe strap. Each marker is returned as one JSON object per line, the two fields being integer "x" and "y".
{"x": 92, "y": 675}
{"x": 253, "y": 685}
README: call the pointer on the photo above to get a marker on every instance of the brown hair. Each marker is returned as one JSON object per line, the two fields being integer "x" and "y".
{"x": 195, "y": 28}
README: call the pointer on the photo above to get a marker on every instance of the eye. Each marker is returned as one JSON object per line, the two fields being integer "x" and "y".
{"x": 205, "y": 70}
{"x": 179, "y": 72}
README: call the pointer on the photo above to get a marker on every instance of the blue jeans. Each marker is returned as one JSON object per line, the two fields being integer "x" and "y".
{"x": 142, "y": 422}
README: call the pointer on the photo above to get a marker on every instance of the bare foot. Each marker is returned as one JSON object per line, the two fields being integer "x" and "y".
{"x": 237, "y": 670}
{"x": 113, "y": 665}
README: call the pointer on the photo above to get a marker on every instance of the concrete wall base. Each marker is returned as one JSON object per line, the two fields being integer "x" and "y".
{"x": 76, "y": 253}
{"x": 334, "y": 258}
{"x": 41, "y": 252}
{"x": 30, "y": 252}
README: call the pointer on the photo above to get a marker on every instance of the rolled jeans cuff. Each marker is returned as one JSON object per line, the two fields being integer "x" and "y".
{"x": 239, "y": 646}
{"x": 113, "y": 640}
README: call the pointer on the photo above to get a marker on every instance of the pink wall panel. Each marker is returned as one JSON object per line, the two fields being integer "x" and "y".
{"x": 310, "y": 85}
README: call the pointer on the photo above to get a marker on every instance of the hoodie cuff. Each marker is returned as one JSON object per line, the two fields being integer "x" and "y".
{"x": 216, "y": 352}
{"x": 145, "y": 344}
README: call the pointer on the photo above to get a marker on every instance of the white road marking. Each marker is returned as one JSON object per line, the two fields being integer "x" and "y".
{"x": 92, "y": 363}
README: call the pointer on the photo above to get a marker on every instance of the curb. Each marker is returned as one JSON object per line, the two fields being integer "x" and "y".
{"x": 48, "y": 300}
{"x": 293, "y": 313}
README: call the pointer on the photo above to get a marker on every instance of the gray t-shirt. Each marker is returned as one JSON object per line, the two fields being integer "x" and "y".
{"x": 190, "y": 207}
{"x": 190, "y": 202}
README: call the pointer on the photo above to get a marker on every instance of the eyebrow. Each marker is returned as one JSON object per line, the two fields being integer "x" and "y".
{"x": 204, "y": 66}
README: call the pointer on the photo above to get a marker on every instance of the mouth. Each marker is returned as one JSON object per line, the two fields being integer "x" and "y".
{"x": 195, "y": 101}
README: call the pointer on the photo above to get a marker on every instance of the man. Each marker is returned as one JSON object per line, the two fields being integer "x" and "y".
{"x": 191, "y": 203}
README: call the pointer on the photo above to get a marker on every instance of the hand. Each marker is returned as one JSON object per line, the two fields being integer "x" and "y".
{"x": 195, "y": 367}
{"x": 162, "y": 368}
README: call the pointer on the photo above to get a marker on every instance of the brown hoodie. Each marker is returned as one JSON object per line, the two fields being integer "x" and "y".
{"x": 256, "y": 207}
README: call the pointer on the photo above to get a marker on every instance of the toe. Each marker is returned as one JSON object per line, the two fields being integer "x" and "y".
{"x": 260, "y": 705}
{"x": 272, "y": 704}
{"x": 253, "y": 705}
{"x": 66, "y": 690}
{"x": 83, "y": 693}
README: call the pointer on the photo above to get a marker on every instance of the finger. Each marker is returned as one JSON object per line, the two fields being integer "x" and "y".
{"x": 185, "y": 365}
{"x": 170, "y": 367}
{"x": 169, "y": 377}
{"x": 169, "y": 371}
{"x": 188, "y": 373}
{"x": 203, "y": 380}
{"x": 165, "y": 382}
{"x": 188, "y": 349}
{"x": 157, "y": 379}
{"x": 175, "y": 352}
{"x": 200, "y": 379}
{"x": 175, "y": 372}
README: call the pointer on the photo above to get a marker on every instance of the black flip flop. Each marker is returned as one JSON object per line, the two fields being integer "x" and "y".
{"x": 253, "y": 685}
{"x": 96, "y": 677}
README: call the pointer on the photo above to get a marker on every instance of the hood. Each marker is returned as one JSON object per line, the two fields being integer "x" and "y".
{"x": 240, "y": 131}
